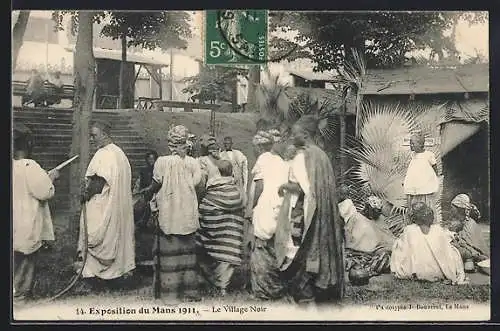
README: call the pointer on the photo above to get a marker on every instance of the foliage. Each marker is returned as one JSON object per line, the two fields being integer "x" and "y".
{"x": 214, "y": 82}
{"x": 379, "y": 154}
{"x": 282, "y": 111}
{"x": 272, "y": 101}
{"x": 384, "y": 37}
{"x": 151, "y": 30}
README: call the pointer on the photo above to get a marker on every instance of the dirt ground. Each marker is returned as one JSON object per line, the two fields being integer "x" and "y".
{"x": 55, "y": 272}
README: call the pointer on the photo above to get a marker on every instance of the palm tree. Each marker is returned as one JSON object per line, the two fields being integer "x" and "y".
{"x": 281, "y": 108}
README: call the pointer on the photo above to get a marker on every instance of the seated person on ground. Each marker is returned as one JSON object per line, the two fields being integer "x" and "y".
{"x": 424, "y": 250}
{"x": 469, "y": 238}
{"x": 367, "y": 245}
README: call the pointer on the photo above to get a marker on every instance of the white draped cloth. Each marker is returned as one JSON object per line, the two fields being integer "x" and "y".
{"x": 429, "y": 256}
{"x": 177, "y": 201}
{"x": 110, "y": 217}
{"x": 32, "y": 222}
{"x": 273, "y": 171}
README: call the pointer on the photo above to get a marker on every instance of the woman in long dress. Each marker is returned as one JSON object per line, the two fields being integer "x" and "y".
{"x": 309, "y": 236}
{"x": 424, "y": 250}
{"x": 268, "y": 174}
{"x": 220, "y": 237}
{"x": 175, "y": 177}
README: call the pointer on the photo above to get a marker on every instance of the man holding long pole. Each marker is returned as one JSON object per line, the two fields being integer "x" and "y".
{"x": 32, "y": 222}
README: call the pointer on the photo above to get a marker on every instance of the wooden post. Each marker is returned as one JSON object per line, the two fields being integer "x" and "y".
{"x": 343, "y": 129}
{"x": 160, "y": 84}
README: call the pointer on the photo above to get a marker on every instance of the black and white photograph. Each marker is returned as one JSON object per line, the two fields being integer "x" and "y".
{"x": 250, "y": 165}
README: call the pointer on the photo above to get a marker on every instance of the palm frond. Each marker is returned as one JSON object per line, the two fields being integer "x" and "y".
{"x": 272, "y": 99}
{"x": 351, "y": 75}
{"x": 380, "y": 156}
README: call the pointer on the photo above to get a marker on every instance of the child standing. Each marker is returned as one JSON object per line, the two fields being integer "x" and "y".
{"x": 421, "y": 182}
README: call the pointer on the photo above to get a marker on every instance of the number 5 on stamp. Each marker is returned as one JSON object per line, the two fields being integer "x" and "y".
{"x": 238, "y": 37}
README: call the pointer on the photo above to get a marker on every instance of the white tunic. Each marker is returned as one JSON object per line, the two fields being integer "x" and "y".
{"x": 110, "y": 218}
{"x": 32, "y": 222}
{"x": 420, "y": 177}
{"x": 273, "y": 171}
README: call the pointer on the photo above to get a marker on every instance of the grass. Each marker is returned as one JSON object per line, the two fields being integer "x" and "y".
{"x": 55, "y": 271}
{"x": 240, "y": 126}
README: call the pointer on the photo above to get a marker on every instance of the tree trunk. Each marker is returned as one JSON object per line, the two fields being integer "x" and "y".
{"x": 253, "y": 82}
{"x": 84, "y": 81}
{"x": 123, "y": 67}
{"x": 18, "y": 34}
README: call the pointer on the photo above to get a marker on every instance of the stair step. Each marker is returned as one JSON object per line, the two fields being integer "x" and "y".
{"x": 122, "y": 136}
{"x": 64, "y": 124}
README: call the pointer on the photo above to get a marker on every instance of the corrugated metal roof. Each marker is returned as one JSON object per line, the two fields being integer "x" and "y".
{"x": 312, "y": 76}
{"x": 427, "y": 80}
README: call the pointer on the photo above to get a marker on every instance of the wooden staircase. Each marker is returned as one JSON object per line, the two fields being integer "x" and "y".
{"x": 52, "y": 133}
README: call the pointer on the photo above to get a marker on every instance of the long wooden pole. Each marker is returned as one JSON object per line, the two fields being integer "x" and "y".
{"x": 343, "y": 130}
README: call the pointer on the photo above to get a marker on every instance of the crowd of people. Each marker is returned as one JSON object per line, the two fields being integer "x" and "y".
{"x": 305, "y": 230}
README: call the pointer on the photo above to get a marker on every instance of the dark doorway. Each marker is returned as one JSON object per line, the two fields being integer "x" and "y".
{"x": 466, "y": 170}
{"x": 108, "y": 84}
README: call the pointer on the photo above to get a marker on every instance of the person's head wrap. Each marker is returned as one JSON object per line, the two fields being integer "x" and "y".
{"x": 463, "y": 201}
{"x": 177, "y": 136}
{"x": 374, "y": 202}
{"x": 102, "y": 124}
{"x": 263, "y": 138}
{"x": 191, "y": 139}
{"x": 276, "y": 135}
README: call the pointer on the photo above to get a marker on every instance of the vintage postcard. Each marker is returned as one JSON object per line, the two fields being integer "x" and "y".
{"x": 250, "y": 165}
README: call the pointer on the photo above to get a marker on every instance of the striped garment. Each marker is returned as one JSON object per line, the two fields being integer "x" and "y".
{"x": 221, "y": 221}
{"x": 178, "y": 274}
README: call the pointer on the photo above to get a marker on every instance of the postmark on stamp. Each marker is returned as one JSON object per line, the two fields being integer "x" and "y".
{"x": 236, "y": 37}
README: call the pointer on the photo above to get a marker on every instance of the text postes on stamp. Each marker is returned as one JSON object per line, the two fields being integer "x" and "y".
{"x": 236, "y": 37}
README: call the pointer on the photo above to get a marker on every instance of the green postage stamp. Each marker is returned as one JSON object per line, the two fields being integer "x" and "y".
{"x": 236, "y": 37}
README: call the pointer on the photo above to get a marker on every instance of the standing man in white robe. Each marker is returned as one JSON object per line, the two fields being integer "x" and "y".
{"x": 240, "y": 166}
{"x": 32, "y": 223}
{"x": 108, "y": 209}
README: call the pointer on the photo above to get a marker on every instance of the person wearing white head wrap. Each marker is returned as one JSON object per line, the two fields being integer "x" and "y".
{"x": 470, "y": 240}
{"x": 268, "y": 174}
{"x": 175, "y": 178}
{"x": 366, "y": 244}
